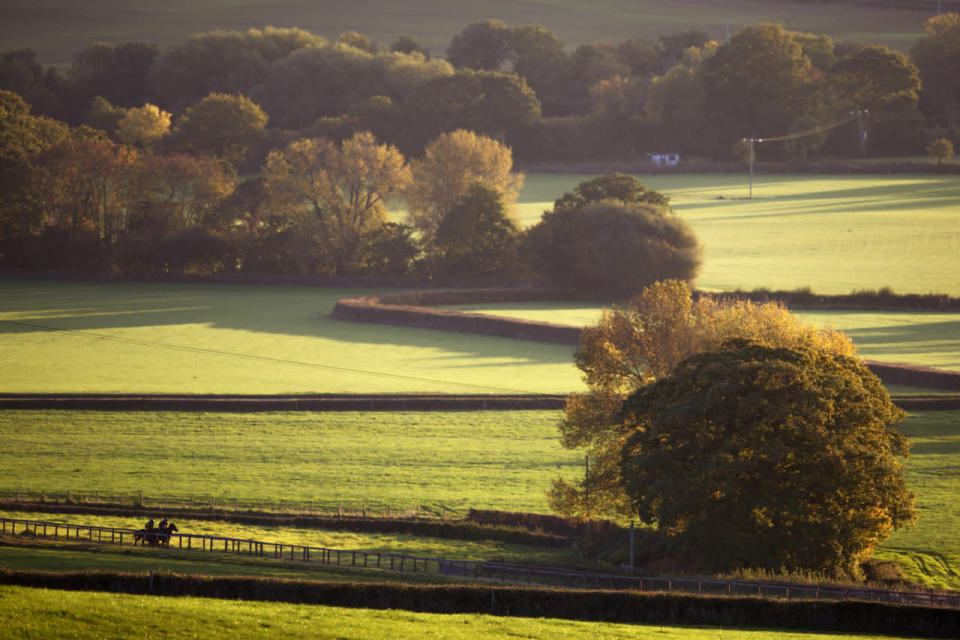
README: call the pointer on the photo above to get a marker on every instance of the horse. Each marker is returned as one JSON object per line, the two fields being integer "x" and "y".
{"x": 155, "y": 537}
{"x": 163, "y": 537}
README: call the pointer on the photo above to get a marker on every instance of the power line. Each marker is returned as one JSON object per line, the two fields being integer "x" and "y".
{"x": 246, "y": 356}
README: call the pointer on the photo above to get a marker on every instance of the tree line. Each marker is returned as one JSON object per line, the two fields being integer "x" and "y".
{"x": 523, "y": 86}
{"x": 155, "y": 200}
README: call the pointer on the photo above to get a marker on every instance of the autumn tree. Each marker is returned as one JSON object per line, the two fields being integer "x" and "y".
{"x": 940, "y": 150}
{"x": 634, "y": 345}
{"x": 81, "y": 187}
{"x": 143, "y": 126}
{"x": 451, "y": 165}
{"x": 772, "y": 458}
{"x": 344, "y": 189}
{"x": 23, "y": 137}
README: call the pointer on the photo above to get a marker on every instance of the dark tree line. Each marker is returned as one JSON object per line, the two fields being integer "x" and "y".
{"x": 524, "y": 86}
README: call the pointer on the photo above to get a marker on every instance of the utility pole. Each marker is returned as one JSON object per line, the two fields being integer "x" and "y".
{"x": 862, "y": 131}
{"x": 752, "y": 141}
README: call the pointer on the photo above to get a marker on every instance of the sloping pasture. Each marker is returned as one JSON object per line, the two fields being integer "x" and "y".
{"x": 159, "y": 338}
{"x": 501, "y": 460}
{"x": 44, "y": 613}
{"x": 922, "y": 338}
{"x": 834, "y": 234}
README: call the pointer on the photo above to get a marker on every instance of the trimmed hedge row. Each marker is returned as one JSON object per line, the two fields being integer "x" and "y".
{"x": 231, "y": 403}
{"x": 432, "y": 528}
{"x": 600, "y": 606}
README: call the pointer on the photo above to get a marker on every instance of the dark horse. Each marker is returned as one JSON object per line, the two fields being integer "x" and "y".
{"x": 159, "y": 537}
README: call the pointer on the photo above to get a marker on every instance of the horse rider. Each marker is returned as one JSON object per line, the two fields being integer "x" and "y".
{"x": 163, "y": 524}
{"x": 149, "y": 526}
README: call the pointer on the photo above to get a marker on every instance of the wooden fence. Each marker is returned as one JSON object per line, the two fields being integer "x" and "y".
{"x": 221, "y": 504}
{"x": 488, "y": 571}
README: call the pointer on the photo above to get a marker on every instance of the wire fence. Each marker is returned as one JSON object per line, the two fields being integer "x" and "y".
{"x": 477, "y": 570}
{"x": 222, "y": 504}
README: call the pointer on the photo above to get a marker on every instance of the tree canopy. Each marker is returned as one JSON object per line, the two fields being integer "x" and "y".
{"x": 637, "y": 343}
{"x": 762, "y": 457}
{"x": 611, "y": 237}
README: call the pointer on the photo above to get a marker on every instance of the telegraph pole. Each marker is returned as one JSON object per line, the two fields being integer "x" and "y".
{"x": 862, "y": 130}
{"x": 752, "y": 141}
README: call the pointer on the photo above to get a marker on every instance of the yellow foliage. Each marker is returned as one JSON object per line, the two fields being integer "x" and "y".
{"x": 644, "y": 340}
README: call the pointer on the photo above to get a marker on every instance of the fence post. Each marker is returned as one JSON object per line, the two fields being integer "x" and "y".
{"x": 140, "y": 497}
{"x": 68, "y": 495}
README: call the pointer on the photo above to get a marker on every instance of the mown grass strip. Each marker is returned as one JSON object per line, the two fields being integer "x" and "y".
{"x": 42, "y": 614}
{"x": 609, "y": 606}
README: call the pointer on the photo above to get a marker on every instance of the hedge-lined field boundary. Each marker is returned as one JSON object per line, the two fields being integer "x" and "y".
{"x": 571, "y": 604}
{"x": 889, "y": 373}
{"x": 413, "y": 309}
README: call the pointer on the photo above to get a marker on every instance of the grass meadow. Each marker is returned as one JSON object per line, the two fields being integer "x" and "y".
{"x": 928, "y": 339}
{"x": 61, "y": 557}
{"x": 161, "y": 338}
{"x": 481, "y": 459}
{"x": 501, "y": 460}
{"x": 834, "y": 234}
{"x": 30, "y": 613}
{"x": 58, "y": 29}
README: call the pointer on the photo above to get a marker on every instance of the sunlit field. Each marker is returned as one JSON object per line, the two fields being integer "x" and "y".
{"x": 160, "y": 338}
{"x": 921, "y": 338}
{"x": 500, "y": 460}
{"x": 43, "y": 614}
{"x": 834, "y": 234}
{"x": 480, "y": 459}
{"x": 58, "y": 29}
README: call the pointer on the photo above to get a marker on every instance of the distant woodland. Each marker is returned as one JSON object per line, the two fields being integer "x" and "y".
{"x": 278, "y": 150}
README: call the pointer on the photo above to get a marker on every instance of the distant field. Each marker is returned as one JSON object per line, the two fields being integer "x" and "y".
{"x": 834, "y": 234}
{"x": 481, "y": 459}
{"x": 43, "y": 614}
{"x": 920, "y": 338}
{"x": 159, "y": 338}
{"x": 59, "y": 28}
{"x": 500, "y": 460}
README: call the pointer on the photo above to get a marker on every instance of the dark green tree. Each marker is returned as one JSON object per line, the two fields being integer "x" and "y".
{"x": 757, "y": 84}
{"x": 770, "y": 458}
{"x": 886, "y": 84}
{"x": 596, "y": 244}
{"x": 482, "y": 45}
{"x": 498, "y": 105}
{"x": 477, "y": 238}
{"x": 937, "y": 55}
{"x": 227, "y": 126}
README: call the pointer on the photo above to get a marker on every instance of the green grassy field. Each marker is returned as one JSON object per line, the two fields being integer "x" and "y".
{"x": 422, "y": 546}
{"x": 160, "y": 338}
{"x": 834, "y": 234}
{"x": 921, "y": 338}
{"x": 480, "y": 459}
{"x": 43, "y": 614}
{"x": 57, "y": 29}
{"x": 61, "y": 557}
{"x": 501, "y": 460}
